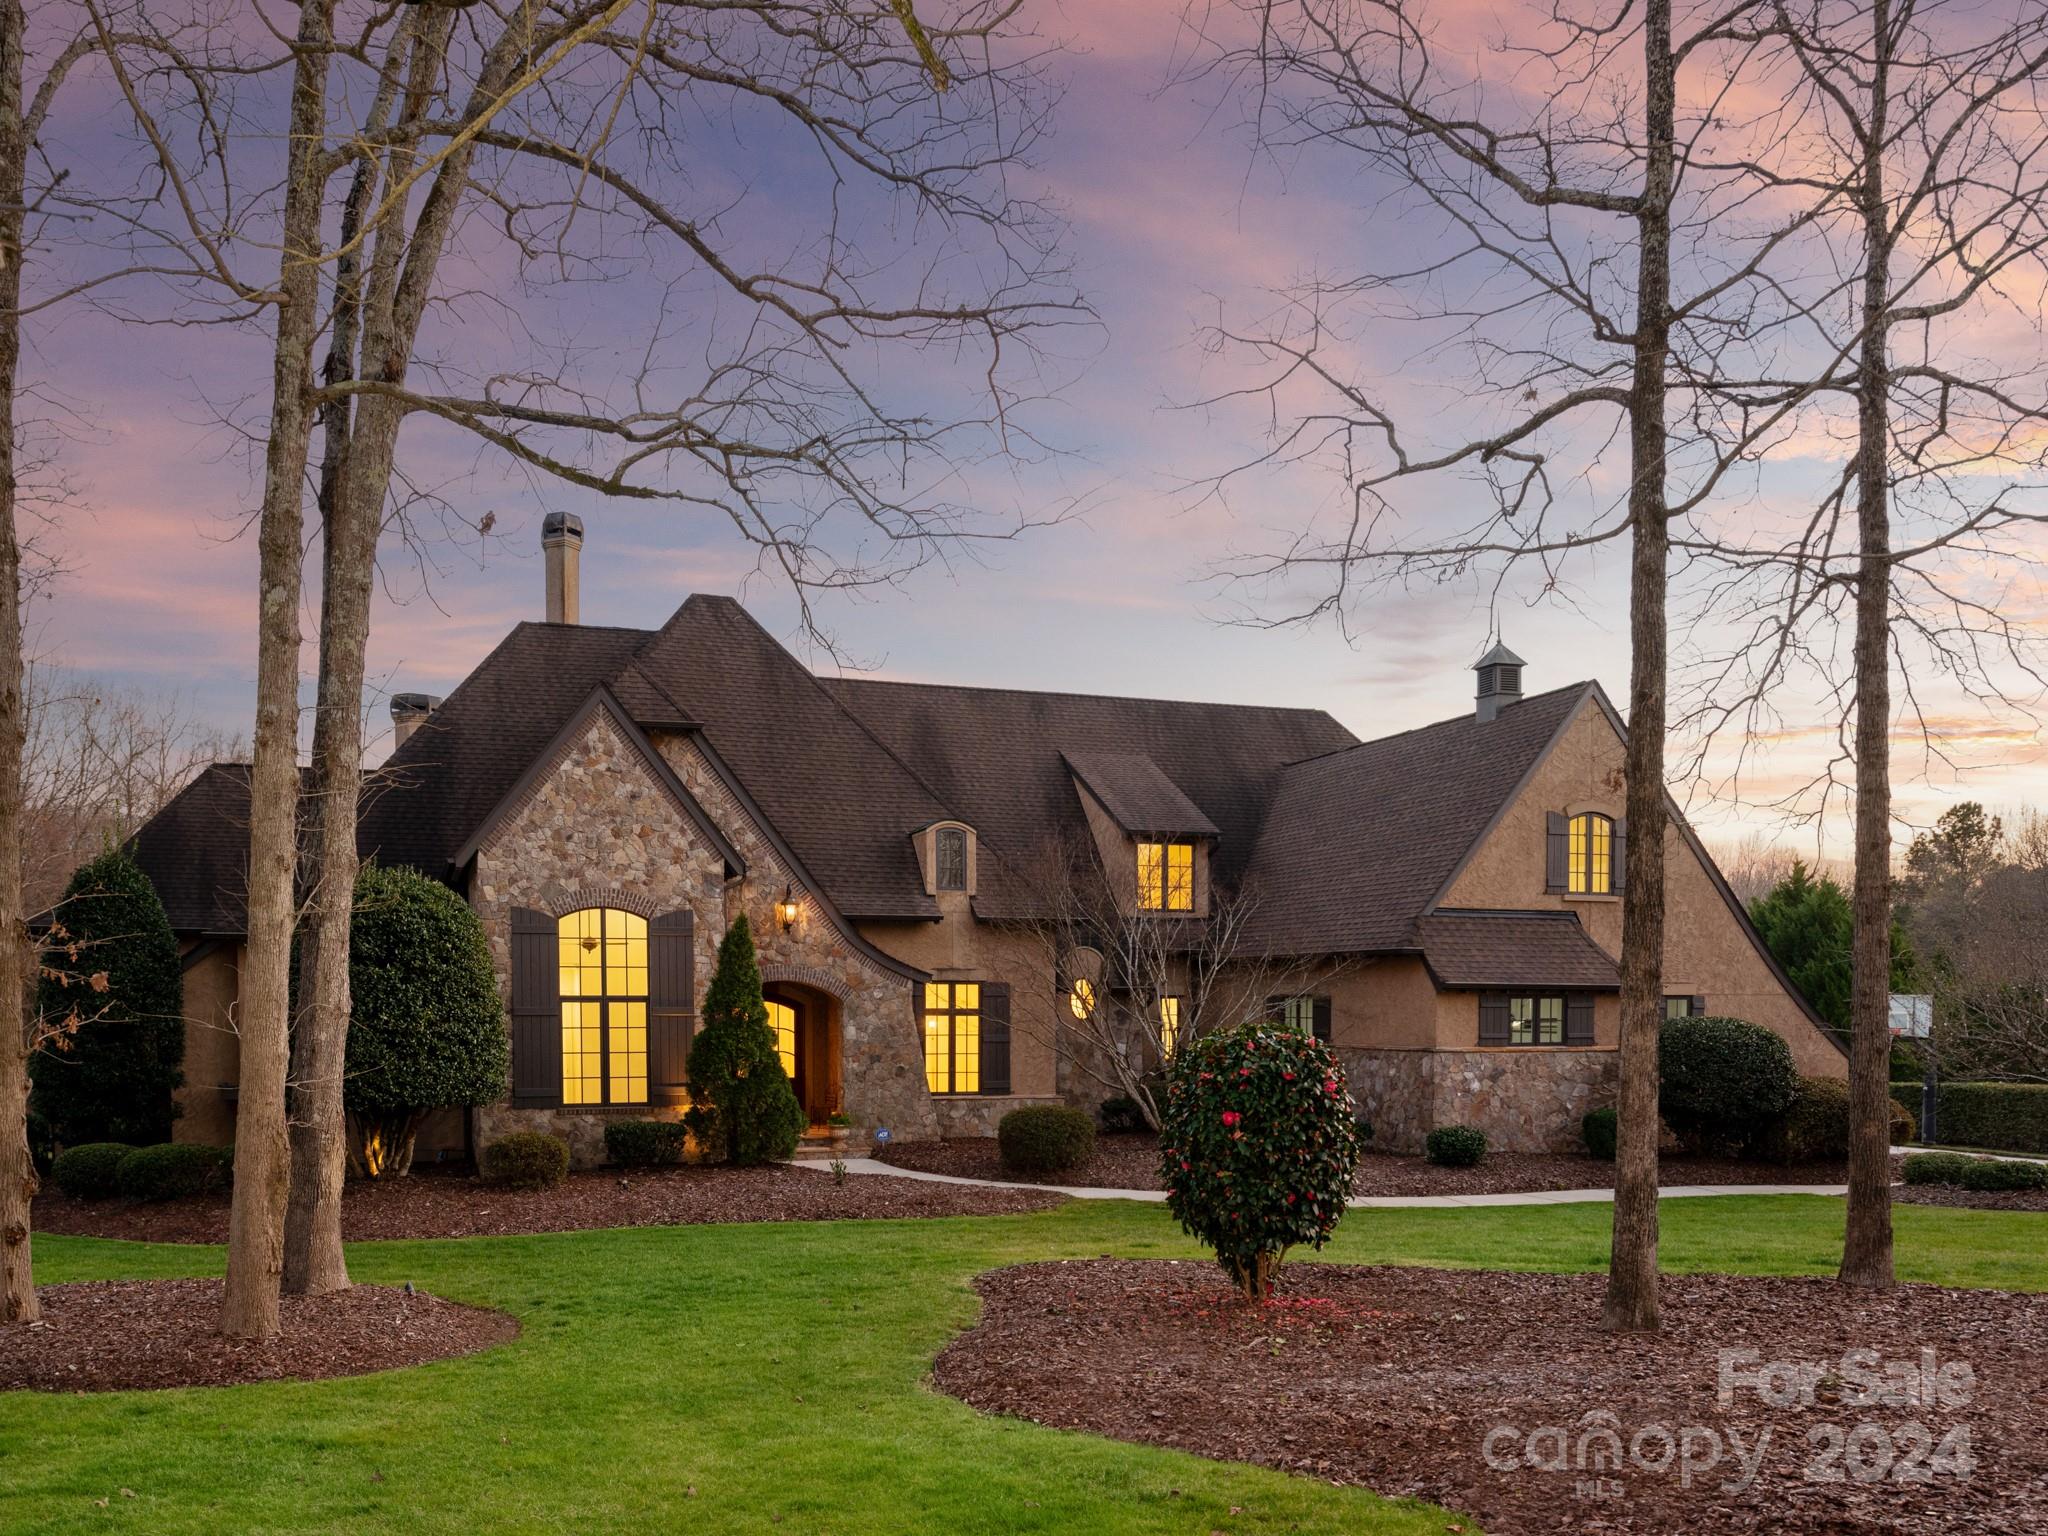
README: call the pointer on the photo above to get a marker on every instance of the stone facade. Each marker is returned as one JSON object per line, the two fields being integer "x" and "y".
{"x": 1525, "y": 1100}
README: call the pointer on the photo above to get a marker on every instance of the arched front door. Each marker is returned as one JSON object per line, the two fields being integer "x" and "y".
{"x": 802, "y": 1022}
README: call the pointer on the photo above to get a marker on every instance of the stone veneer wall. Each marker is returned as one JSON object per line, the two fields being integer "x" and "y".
{"x": 1524, "y": 1100}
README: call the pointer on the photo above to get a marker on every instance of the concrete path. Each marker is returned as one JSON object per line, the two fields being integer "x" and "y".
{"x": 1358, "y": 1202}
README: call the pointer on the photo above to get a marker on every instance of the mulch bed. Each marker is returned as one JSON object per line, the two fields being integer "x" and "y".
{"x": 1971, "y": 1199}
{"x": 1132, "y": 1162}
{"x": 128, "y": 1335}
{"x": 441, "y": 1205}
{"x": 1436, "y": 1384}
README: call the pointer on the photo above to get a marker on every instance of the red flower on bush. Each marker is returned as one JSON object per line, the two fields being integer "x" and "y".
{"x": 1231, "y": 1117}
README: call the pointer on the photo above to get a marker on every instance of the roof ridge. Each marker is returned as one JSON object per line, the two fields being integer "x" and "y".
{"x": 1433, "y": 725}
{"x": 1068, "y": 693}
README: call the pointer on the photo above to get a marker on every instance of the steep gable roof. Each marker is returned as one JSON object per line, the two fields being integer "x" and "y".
{"x": 1136, "y": 791}
{"x": 196, "y": 852}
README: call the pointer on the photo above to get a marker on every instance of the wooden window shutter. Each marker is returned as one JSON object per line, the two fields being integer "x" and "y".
{"x": 671, "y": 1004}
{"x": 1321, "y": 1020}
{"x": 995, "y": 1037}
{"x": 536, "y": 1011}
{"x": 1556, "y": 851}
{"x": 1618, "y": 854}
{"x": 1493, "y": 1018}
{"x": 1578, "y": 1018}
{"x": 1697, "y": 1006}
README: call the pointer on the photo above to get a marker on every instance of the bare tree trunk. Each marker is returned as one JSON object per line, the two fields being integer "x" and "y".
{"x": 1631, "y": 1302}
{"x": 1867, "y": 1248}
{"x": 249, "y": 1307}
{"x": 17, "y": 1168}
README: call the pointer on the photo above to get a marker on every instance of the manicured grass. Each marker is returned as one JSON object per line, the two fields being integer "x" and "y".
{"x": 769, "y": 1378}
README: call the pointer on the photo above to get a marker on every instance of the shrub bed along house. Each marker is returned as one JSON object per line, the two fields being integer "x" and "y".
{"x": 645, "y": 1143}
{"x": 174, "y": 1170}
{"x": 527, "y": 1160}
{"x": 1725, "y": 1081}
{"x": 91, "y": 1171}
{"x": 1455, "y": 1146}
{"x": 1045, "y": 1138}
{"x": 2006, "y": 1117}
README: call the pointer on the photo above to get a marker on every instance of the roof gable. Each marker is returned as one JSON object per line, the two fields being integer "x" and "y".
{"x": 1138, "y": 795}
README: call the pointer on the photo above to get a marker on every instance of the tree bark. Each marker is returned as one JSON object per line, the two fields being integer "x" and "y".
{"x": 1867, "y": 1247}
{"x": 249, "y": 1305}
{"x": 1631, "y": 1302}
{"x": 17, "y": 1168}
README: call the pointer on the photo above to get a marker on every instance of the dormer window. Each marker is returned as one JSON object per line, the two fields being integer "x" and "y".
{"x": 1166, "y": 877}
{"x": 950, "y": 859}
{"x": 1590, "y": 855}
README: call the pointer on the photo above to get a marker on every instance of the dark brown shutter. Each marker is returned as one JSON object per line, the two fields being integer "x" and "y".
{"x": 1321, "y": 1020}
{"x": 1493, "y": 1018}
{"x": 995, "y": 1037}
{"x": 1697, "y": 1006}
{"x": 1618, "y": 854}
{"x": 671, "y": 1005}
{"x": 536, "y": 1011}
{"x": 1557, "y": 851}
{"x": 1578, "y": 1018}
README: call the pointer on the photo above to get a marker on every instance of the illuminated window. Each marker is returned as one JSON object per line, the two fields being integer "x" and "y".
{"x": 951, "y": 859}
{"x": 952, "y": 1036}
{"x": 1166, "y": 877}
{"x": 782, "y": 1024}
{"x": 1590, "y": 855}
{"x": 1683, "y": 1007}
{"x": 1082, "y": 999}
{"x": 1536, "y": 1020}
{"x": 1169, "y": 1024}
{"x": 603, "y": 967}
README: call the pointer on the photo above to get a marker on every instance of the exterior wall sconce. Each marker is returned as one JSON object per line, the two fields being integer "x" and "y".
{"x": 785, "y": 909}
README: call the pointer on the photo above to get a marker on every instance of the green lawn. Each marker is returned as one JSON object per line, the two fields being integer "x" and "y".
{"x": 769, "y": 1378}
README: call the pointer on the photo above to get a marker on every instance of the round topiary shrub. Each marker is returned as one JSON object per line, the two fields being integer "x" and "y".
{"x": 1725, "y": 1081}
{"x": 90, "y": 1172}
{"x": 426, "y": 1030}
{"x": 527, "y": 1160}
{"x": 1815, "y": 1126}
{"x": 1045, "y": 1138}
{"x": 175, "y": 1170}
{"x": 1259, "y": 1143}
{"x": 645, "y": 1143}
{"x": 1455, "y": 1146}
{"x": 743, "y": 1104}
{"x": 1600, "y": 1129}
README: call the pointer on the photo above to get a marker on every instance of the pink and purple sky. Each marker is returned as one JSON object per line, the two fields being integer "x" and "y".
{"x": 1172, "y": 222}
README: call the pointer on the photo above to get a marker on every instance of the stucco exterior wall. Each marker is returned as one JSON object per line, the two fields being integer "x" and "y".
{"x": 212, "y": 1049}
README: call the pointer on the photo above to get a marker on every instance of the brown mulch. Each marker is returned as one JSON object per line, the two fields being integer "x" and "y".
{"x": 440, "y": 1205}
{"x": 129, "y": 1335}
{"x": 1132, "y": 1162}
{"x": 1971, "y": 1199}
{"x": 1397, "y": 1379}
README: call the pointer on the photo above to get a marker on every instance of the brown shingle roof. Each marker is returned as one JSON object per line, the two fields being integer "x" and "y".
{"x": 1137, "y": 792}
{"x": 196, "y": 852}
{"x": 1514, "y": 949}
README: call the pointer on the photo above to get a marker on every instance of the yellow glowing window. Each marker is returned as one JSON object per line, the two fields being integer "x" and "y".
{"x": 952, "y": 1036}
{"x": 1169, "y": 1024}
{"x": 782, "y": 1024}
{"x": 1082, "y": 999}
{"x": 602, "y": 957}
{"x": 1166, "y": 877}
{"x": 1590, "y": 845}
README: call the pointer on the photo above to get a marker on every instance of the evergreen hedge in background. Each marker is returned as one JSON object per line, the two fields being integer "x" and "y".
{"x": 112, "y": 1079}
{"x": 741, "y": 1103}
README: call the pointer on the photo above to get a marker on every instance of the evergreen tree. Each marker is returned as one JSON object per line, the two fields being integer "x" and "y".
{"x": 1807, "y": 925}
{"x": 113, "y": 968}
{"x": 741, "y": 1098}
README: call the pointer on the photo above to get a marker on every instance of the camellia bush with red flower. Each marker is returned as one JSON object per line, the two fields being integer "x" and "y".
{"x": 1258, "y": 1144}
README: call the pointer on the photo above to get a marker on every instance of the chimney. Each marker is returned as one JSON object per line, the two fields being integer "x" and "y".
{"x": 561, "y": 540}
{"x": 1500, "y": 681}
{"x": 409, "y": 712}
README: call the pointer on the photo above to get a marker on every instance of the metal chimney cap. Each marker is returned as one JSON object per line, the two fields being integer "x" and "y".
{"x": 561, "y": 525}
{"x": 414, "y": 704}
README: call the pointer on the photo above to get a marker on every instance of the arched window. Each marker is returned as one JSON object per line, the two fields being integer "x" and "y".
{"x": 604, "y": 1006}
{"x": 951, "y": 859}
{"x": 1590, "y": 855}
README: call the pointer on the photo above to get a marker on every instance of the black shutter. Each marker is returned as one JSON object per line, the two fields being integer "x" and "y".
{"x": 671, "y": 1005}
{"x": 536, "y": 1011}
{"x": 1618, "y": 854}
{"x": 1556, "y": 851}
{"x": 995, "y": 1037}
{"x": 1697, "y": 1006}
{"x": 1493, "y": 1018}
{"x": 1322, "y": 1020}
{"x": 1578, "y": 1018}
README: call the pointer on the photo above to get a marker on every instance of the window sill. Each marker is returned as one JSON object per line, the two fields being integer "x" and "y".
{"x": 1524, "y": 1050}
{"x": 1596, "y": 897}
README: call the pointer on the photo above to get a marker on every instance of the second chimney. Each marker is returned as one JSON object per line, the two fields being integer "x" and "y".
{"x": 561, "y": 542}
{"x": 1500, "y": 681}
{"x": 409, "y": 712}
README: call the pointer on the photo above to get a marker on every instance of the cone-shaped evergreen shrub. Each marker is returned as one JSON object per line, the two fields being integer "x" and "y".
{"x": 741, "y": 1098}
{"x": 1259, "y": 1143}
{"x": 112, "y": 1078}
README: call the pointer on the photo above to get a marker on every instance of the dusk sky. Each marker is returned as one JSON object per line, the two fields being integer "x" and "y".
{"x": 1172, "y": 222}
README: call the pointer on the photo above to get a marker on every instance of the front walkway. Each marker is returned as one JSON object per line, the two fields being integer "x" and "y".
{"x": 1357, "y": 1202}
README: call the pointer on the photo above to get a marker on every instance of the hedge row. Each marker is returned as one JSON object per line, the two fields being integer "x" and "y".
{"x": 2006, "y": 1117}
{"x": 101, "y": 1169}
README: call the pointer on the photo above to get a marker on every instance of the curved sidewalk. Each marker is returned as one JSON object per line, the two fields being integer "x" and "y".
{"x": 1357, "y": 1202}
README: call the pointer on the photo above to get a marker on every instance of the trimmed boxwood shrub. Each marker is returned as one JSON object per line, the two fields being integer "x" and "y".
{"x": 1979, "y": 1173}
{"x": 645, "y": 1143}
{"x": 174, "y": 1170}
{"x": 1455, "y": 1146}
{"x": 1815, "y": 1127}
{"x": 1259, "y": 1144}
{"x": 527, "y": 1160}
{"x": 1600, "y": 1129}
{"x": 744, "y": 1106}
{"x": 1725, "y": 1081}
{"x": 2006, "y": 1117}
{"x": 1045, "y": 1138}
{"x": 111, "y": 1078}
{"x": 90, "y": 1172}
